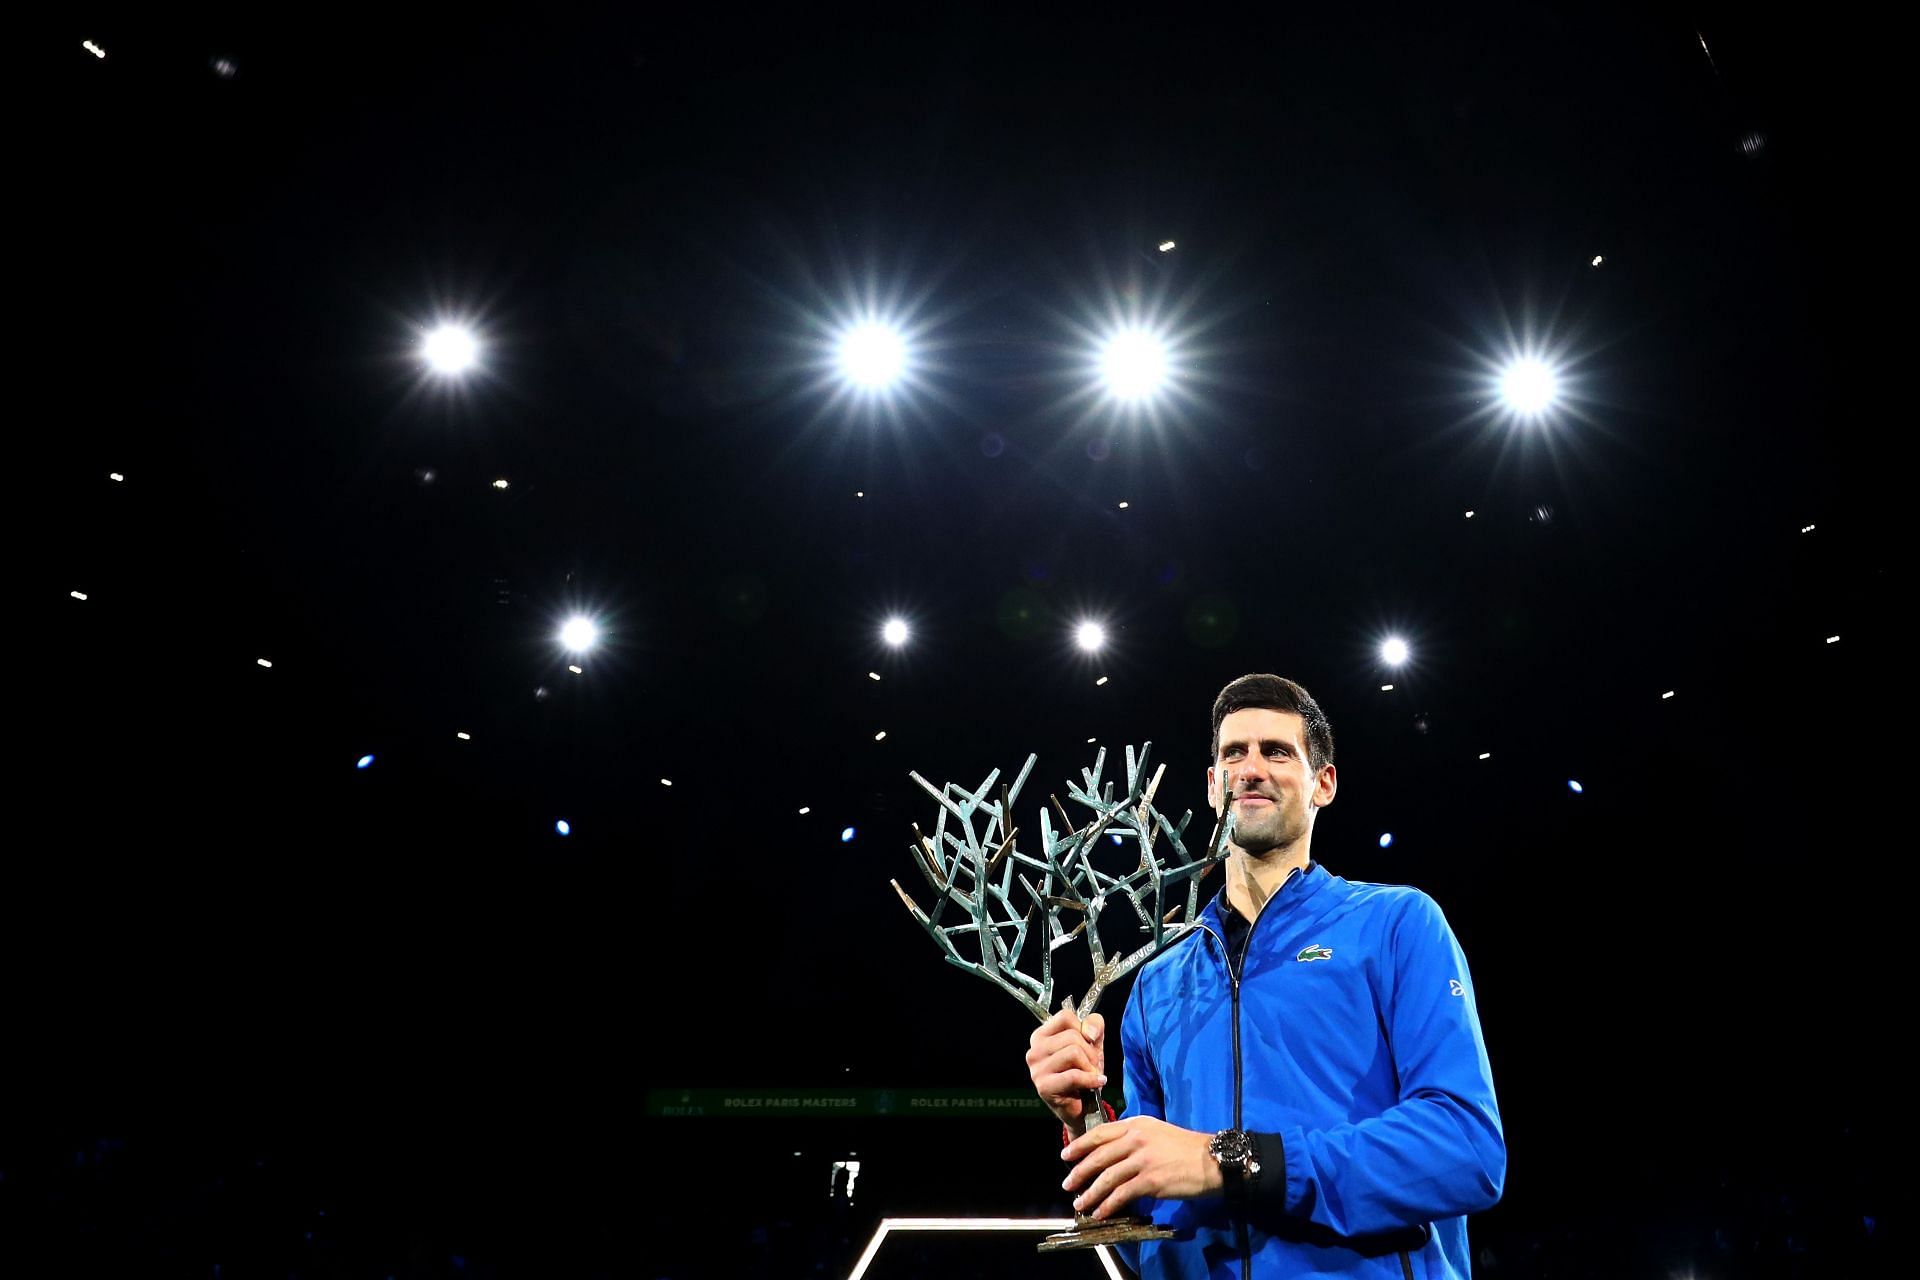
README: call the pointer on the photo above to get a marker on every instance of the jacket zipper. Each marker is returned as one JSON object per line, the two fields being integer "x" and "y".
{"x": 1233, "y": 984}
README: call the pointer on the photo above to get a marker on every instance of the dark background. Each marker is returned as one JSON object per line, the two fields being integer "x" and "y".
{"x": 276, "y": 1015}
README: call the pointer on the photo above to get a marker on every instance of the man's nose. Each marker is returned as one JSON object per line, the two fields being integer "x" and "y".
{"x": 1252, "y": 770}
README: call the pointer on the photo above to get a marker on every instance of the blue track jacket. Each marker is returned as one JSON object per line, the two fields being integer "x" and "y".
{"x": 1351, "y": 1047}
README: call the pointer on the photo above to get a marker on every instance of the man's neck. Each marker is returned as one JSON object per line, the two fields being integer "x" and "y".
{"x": 1251, "y": 881}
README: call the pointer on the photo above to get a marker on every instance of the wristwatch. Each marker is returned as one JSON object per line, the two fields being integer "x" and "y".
{"x": 1232, "y": 1150}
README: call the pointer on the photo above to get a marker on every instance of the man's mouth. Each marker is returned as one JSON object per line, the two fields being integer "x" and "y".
{"x": 1253, "y": 800}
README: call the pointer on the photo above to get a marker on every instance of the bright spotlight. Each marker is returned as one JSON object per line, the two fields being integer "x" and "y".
{"x": 1090, "y": 636}
{"x": 450, "y": 349}
{"x": 847, "y": 834}
{"x": 895, "y": 632}
{"x": 1528, "y": 386}
{"x": 364, "y": 762}
{"x": 873, "y": 356}
{"x": 1386, "y": 839}
{"x": 564, "y": 827}
{"x": 1134, "y": 364}
{"x": 1394, "y": 651}
{"x": 579, "y": 634}
{"x": 1574, "y": 787}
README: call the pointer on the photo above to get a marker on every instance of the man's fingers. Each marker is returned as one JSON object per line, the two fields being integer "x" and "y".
{"x": 1084, "y": 1146}
{"x": 1072, "y": 1057}
{"x": 1070, "y": 1083}
{"x": 1094, "y": 1198}
{"x": 1116, "y": 1200}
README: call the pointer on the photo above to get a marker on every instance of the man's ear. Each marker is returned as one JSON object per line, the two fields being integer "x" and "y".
{"x": 1324, "y": 786}
{"x": 1213, "y": 800}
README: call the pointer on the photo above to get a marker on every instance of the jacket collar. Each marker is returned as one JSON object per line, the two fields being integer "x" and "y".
{"x": 1292, "y": 895}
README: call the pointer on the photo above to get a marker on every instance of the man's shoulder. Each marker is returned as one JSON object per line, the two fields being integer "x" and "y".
{"x": 1381, "y": 894}
{"x": 1168, "y": 957}
{"x": 1391, "y": 901}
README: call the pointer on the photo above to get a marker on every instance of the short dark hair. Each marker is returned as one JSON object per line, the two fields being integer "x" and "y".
{"x": 1276, "y": 693}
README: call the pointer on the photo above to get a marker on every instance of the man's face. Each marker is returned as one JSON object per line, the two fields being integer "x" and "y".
{"x": 1262, "y": 768}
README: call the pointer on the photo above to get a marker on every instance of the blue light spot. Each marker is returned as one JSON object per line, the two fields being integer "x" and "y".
{"x": 1386, "y": 838}
{"x": 364, "y": 761}
{"x": 1115, "y": 837}
{"x": 564, "y": 827}
{"x": 1574, "y": 787}
{"x": 846, "y": 835}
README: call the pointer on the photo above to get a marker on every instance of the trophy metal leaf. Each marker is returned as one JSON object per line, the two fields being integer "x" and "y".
{"x": 1007, "y": 901}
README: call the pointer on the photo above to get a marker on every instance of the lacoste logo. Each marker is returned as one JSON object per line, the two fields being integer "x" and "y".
{"x": 1454, "y": 987}
{"x": 1315, "y": 953}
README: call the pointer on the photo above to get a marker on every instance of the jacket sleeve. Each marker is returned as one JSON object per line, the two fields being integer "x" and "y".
{"x": 1437, "y": 1153}
{"x": 1140, "y": 1080}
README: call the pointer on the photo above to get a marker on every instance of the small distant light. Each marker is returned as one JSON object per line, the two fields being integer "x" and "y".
{"x": 1101, "y": 680}
{"x": 805, "y": 809}
{"x": 1486, "y": 755}
{"x": 1666, "y": 695}
{"x": 575, "y": 669}
{"x": 93, "y": 48}
{"x": 666, "y": 782}
{"x": 263, "y": 662}
{"x": 1833, "y": 639}
{"x": 1469, "y": 515}
{"x": 1123, "y": 506}
{"x": 500, "y": 484}
{"x": 1597, "y": 259}
{"x": 859, "y": 493}
{"x": 895, "y": 632}
{"x": 1115, "y": 837}
{"x": 1386, "y": 688}
{"x": 880, "y": 736}
{"x": 363, "y": 762}
{"x": 1166, "y": 246}
{"x": 1386, "y": 838}
{"x": 78, "y": 595}
{"x": 873, "y": 675}
{"x": 224, "y": 68}
{"x": 564, "y": 827}
{"x": 846, "y": 837}
{"x": 115, "y": 475}
{"x": 1574, "y": 787}
{"x": 463, "y": 735}
{"x": 1805, "y": 528}
{"x": 1091, "y": 740}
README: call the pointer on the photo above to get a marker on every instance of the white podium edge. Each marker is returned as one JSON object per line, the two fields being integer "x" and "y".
{"x": 971, "y": 1224}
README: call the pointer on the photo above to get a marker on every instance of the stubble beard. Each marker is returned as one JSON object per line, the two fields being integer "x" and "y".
{"x": 1263, "y": 835}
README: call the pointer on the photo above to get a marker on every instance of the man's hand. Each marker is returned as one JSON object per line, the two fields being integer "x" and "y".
{"x": 1065, "y": 1058}
{"x": 1122, "y": 1160}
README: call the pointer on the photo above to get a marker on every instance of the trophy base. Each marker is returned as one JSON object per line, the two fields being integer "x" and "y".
{"x": 1087, "y": 1233}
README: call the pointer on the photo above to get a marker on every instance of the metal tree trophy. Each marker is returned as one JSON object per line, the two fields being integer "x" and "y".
{"x": 978, "y": 874}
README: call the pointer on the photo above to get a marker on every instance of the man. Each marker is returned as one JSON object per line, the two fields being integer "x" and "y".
{"x": 1307, "y": 1089}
